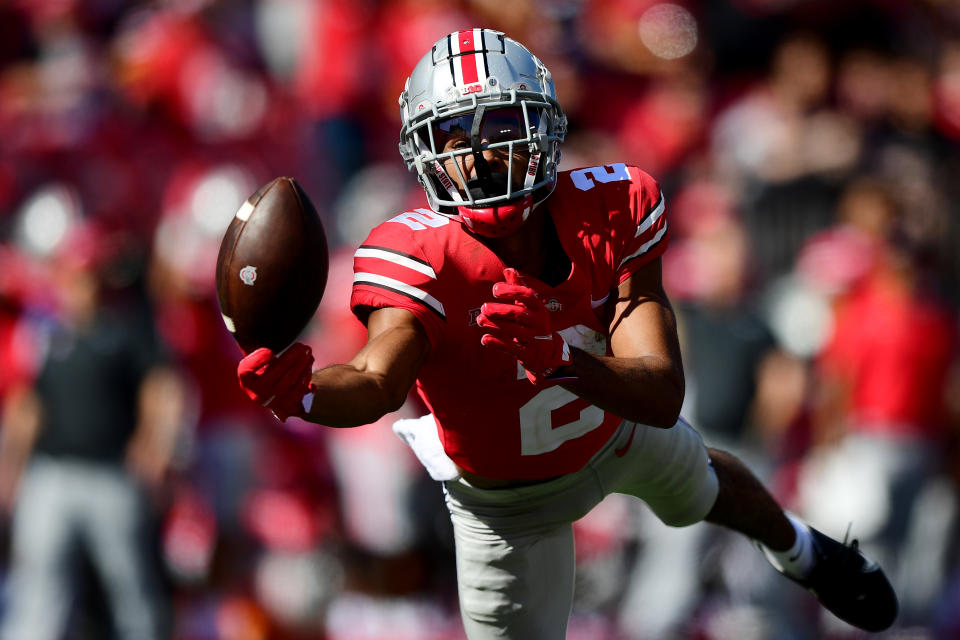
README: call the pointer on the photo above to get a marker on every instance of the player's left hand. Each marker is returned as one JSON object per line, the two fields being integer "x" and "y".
{"x": 520, "y": 326}
{"x": 278, "y": 382}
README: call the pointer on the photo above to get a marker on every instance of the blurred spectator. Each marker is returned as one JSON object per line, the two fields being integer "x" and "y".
{"x": 293, "y": 515}
{"x": 836, "y": 260}
{"x": 726, "y": 343}
{"x": 881, "y": 415}
{"x": 760, "y": 135}
{"x": 724, "y": 336}
{"x": 81, "y": 446}
{"x": 331, "y": 79}
{"x": 662, "y": 128}
{"x": 783, "y": 148}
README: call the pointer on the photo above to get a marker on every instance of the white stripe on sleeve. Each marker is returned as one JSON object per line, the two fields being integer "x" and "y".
{"x": 653, "y": 217}
{"x": 396, "y": 258}
{"x": 643, "y": 248}
{"x": 402, "y": 287}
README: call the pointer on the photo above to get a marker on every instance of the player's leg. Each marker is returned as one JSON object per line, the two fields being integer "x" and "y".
{"x": 744, "y": 504}
{"x": 515, "y": 556}
{"x": 115, "y": 530}
{"x": 845, "y": 581}
{"x": 683, "y": 482}
{"x": 38, "y": 592}
{"x": 516, "y": 588}
{"x": 669, "y": 469}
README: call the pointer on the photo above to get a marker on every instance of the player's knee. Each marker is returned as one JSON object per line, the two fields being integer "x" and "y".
{"x": 692, "y": 505}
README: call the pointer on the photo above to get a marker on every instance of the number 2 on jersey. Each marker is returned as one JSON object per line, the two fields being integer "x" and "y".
{"x": 537, "y": 433}
{"x": 583, "y": 178}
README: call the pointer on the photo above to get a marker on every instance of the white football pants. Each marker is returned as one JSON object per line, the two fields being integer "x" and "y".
{"x": 515, "y": 549}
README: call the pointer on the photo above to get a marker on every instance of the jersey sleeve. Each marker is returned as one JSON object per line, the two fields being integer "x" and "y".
{"x": 644, "y": 233}
{"x": 390, "y": 269}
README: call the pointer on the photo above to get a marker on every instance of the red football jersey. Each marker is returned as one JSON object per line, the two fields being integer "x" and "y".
{"x": 610, "y": 221}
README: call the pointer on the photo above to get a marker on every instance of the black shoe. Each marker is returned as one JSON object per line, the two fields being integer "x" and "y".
{"x": 849, "y": 585}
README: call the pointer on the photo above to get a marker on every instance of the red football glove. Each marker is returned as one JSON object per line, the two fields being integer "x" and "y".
{"x": 278, "y": 382}
{"x": 521, "y": 327}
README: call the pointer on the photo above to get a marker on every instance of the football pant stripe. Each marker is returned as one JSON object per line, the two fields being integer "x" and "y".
{"x": 396, "y": 257}
{"x": 403, "y": 288}
{"x": 652, "y": 217}
{"x": 646, "y": 246}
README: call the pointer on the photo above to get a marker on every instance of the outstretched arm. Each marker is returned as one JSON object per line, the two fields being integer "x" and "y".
{"x": 377, "y": 380}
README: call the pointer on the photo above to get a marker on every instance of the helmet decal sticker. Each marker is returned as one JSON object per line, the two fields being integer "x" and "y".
{"x": 468, "y": 62}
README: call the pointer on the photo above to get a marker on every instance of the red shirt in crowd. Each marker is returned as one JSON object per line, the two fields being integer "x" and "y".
{"x": 894, "y": 347}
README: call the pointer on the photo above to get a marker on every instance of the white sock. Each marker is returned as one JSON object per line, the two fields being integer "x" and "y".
{"x": 798, "y": 559}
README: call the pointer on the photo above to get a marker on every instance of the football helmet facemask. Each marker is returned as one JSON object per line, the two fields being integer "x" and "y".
{"x": 482, "y": 127}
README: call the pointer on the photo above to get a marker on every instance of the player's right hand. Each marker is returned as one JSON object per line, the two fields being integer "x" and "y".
{"x": 519, "y": 324}
{"x": 278, "y": 382}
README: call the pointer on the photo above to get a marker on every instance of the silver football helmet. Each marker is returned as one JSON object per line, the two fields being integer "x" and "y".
{"x": 479, "y": 91}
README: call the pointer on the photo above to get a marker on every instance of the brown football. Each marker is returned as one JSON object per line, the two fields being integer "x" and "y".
{"x": 272, "y": 267}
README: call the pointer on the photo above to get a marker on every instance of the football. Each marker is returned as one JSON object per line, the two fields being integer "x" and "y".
{"x": 272, "y": 267}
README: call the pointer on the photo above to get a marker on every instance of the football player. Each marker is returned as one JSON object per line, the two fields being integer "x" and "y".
{"x": 527, "y": 308}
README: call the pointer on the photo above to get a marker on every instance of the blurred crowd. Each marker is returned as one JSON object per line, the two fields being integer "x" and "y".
{"x": 808, "y": 150}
